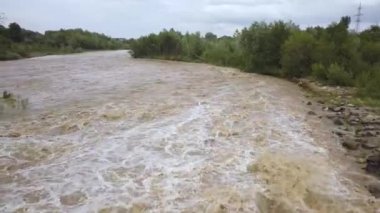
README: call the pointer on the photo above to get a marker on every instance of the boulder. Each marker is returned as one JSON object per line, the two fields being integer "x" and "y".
{"x": 350, "y": 144}
{"x": 340, "y": 133}
{"x": 338, "y": 109}
{"x": 374, "y": 189}
{"x": 338, "y": 121}
{"x": 371, "y": 144}
{"x": 373, "y": 165}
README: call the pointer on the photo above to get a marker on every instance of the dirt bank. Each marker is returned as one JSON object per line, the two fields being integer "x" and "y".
{"x": 357, "y": 129}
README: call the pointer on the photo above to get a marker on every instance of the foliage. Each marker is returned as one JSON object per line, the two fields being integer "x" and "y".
{"x": 261, "y": 44}
{"x": 224, "y": 52}
{"x": 15, "y": 32}
{"x": 369, "y": 83}
{"x": 189, "y": 47}
{"x": 319, "y": 71}
{"x": 297, "y": 54}
{"x": 336, "y": 75}
{"x": 16, "y": 42}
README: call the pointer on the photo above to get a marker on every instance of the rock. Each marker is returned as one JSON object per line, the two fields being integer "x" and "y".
{"x": 366, "y": 133}
{"x": 337, "y": 109}
{"x": 331, "y": 116}
{"x": 320, "y": 102}
{"x": 235, "y": 134}
{"x": 338, "y": 121}
{"x": 371, "y": 144}
{"x": 374, "y": 189}
{"x": 361, "y": 160}
{"x": 73, "y": 199}
{"x": 340, "y": 133}
{"x": 353, "y": 121}
{"x": 311, "y": 113}
{"x": 209, "y": 141}
{"x": 370, "y": 128}
{"x": 309, "y": 103}
{"x": 373, "y": 164}
{"x": 350, "y": 144}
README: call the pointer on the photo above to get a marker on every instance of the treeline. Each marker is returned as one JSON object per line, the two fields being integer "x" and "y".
{"x": 333, "y": 55}
{"x": 16, "y": 42}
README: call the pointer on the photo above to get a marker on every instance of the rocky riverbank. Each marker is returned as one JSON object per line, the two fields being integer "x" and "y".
{"x": 357, "y": 127}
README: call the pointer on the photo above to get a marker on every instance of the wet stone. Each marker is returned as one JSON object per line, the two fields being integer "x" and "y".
{"x": 361, "y": 160}
{"x": 374, "y": 189}
{"x": 338, "y": 121}
{"x": 373, "y": 164}
{"x": 370, "y": 144}
{"x": 350, "y": 144}
{"x": 340, "y": 133}
{"x": 337, "y": 109}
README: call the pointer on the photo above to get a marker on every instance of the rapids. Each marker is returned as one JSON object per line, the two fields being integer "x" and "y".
{"x": 107, "y": 133}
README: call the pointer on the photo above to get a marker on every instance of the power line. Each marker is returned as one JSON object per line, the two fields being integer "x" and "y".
{"x": 358, "y": 17}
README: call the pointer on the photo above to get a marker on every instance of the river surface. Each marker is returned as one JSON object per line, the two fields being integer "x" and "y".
{"x": 107, "y": 133}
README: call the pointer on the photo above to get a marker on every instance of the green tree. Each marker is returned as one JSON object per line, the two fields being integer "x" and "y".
{"x": 15, "y": 32}
{"x": 261, "y": 44}
{"x": 297, "y": 54}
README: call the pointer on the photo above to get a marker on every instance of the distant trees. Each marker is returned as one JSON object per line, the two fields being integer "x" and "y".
{"x": 210, "y": 36}
{"x": 332, "y": 55}
{"x": 189, "y": 47}
{"x": 16, "y": 42}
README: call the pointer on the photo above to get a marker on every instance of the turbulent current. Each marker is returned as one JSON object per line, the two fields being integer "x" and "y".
{"x": 107, "y": 133}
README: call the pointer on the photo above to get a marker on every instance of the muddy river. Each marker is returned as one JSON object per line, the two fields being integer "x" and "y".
{"x": 107, "y": 133}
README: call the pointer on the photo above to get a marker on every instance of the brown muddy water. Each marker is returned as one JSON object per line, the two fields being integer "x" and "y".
{"x": 107, "y": 133}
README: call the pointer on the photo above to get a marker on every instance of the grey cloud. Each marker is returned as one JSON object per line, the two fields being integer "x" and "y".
{"x": 132, "y": 18}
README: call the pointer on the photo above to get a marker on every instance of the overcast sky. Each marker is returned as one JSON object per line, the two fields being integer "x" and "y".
{"x": 132, "y": 18}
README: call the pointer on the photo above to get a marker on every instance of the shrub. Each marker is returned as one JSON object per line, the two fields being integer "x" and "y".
{"x": 369, "y": 83}
{"x": 336, "y": 75}
{"x": 319, "y": 72}
{"x": 261, "y": 44}
{"x": 297, "y": 54}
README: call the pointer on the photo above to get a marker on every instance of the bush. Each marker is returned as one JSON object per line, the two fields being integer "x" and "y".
{"x": 369, "y": 83}
{"x": 319, "y": 72}
{"x": 261, "y": 45}
{"x": 225, "y": 52}
{"x": 9, "y": 55}
{"x": 336, "y": 75}
{"x": 297, "y": 54}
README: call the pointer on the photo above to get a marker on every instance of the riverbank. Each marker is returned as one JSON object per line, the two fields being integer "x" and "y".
{"x": 356, "y": 125}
